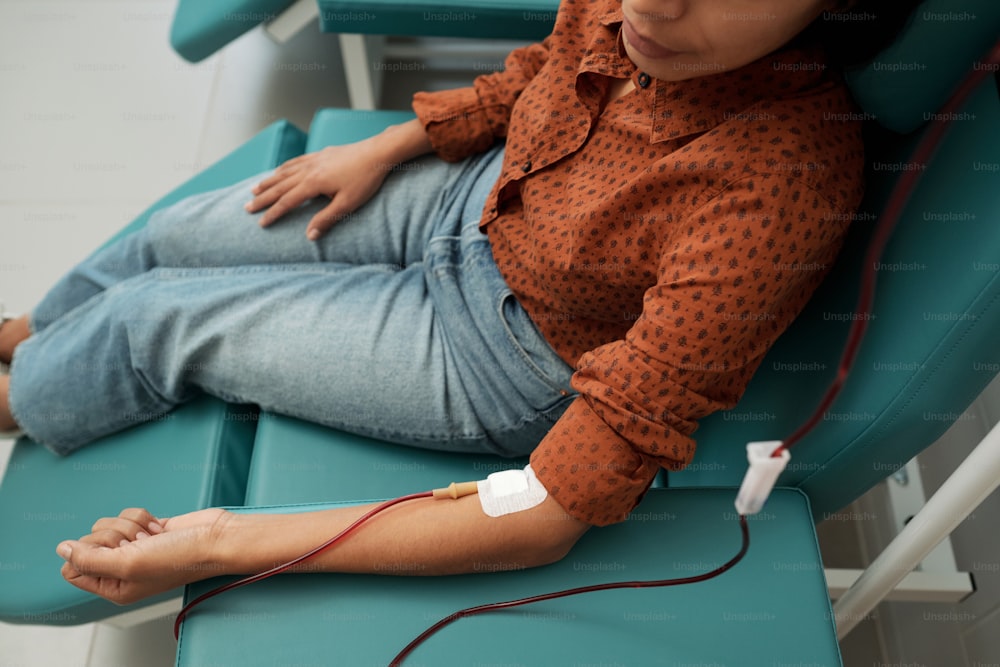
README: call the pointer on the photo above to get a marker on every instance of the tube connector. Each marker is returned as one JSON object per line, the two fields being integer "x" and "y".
{"x": 761, "y": 475}
{"x": 456, "y": 490}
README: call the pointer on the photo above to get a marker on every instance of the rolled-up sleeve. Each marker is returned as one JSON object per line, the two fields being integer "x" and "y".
{"x": 467, "y": 121}
{"x": 733, "y": 274}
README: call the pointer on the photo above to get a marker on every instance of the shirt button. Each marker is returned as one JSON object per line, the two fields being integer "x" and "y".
{"x": 644, "y": 80}
{"x": 526, "y": 167}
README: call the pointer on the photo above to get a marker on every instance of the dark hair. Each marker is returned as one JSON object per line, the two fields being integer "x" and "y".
{"x": 854, "y": 35}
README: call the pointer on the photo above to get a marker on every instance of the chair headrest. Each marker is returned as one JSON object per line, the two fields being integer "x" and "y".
{"x": 912, "y": 79}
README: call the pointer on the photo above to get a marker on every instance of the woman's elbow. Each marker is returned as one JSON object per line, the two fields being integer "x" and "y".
{"x": 556, "y": 533}
{"x": 555, "y": 552}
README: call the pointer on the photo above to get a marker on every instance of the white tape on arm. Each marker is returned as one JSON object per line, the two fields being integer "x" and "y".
{"x": 511, "y": 491}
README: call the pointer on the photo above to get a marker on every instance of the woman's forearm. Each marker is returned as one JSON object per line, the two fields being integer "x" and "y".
{"x": 136, "y": 555}
{"x": 421, "y": 537}
{"x": 399, "y": 143}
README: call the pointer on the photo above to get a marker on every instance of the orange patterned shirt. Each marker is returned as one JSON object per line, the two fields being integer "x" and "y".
{"x": 661, "y": 242}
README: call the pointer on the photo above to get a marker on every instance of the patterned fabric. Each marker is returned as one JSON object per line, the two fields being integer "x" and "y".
{"x": 660, "y": 241}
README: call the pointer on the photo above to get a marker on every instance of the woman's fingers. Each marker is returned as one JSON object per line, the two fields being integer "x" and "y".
{"x": 293, "y": 164}
{"x": 267, "y": 199}
{"x": 106, "y": 538}
{"x": 271, "y": 190}
{"x": 326, "y": 218}
{"x": 131, "y": 524}
{"x": 288, "y": 201}
{"x": 142, "y": 517}
{"x": 96, "y": 569}
{"x": 282, "y": 172}
{"x": 345, "y": 201}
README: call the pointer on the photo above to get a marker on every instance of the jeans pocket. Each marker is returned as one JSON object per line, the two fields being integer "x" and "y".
{"x": 535, "y": 356}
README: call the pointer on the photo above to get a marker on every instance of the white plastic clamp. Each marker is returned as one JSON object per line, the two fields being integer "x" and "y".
{"x": 761, "y": 475}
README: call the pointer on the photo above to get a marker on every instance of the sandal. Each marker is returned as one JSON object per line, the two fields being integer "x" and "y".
{"x": 4, "y": 318}
{"x": 13, "y": 433}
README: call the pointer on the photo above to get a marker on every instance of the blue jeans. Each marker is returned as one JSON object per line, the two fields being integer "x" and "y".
{"x": 396, "y": 325}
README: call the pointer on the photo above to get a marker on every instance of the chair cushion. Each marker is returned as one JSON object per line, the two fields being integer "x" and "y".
{"x": 772, "y": 608}
{"x": 195, "y": 457}
{"x": 298, "y": 462}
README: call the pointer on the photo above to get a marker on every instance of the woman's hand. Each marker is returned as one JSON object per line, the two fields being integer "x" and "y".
{"x": 349, "y": 175}
{"x": 135, "y": 555}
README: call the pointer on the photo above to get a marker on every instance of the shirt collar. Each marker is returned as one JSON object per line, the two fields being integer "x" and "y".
{"x": 697, "y": 105}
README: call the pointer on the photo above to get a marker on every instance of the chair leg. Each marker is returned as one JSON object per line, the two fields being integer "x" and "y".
{"x": 362, "y": 59}
{"x": 287, "y": 24}
{"x": 975, "y": 479}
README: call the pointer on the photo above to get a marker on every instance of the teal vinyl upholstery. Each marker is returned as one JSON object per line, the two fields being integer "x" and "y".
{"x": 507, "y": 19}
{"x": 195, "y": 457}
{"x": 202, "y": 27}
{"x": 777, "y": 591}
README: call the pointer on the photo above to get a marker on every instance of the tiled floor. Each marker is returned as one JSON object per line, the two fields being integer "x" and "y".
{"x": 99, "y": 118}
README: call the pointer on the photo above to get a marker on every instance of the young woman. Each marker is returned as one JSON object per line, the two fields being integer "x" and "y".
{"x": 613, "y": 232}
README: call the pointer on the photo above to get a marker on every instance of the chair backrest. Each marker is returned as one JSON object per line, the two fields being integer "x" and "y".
{"x": 931, "y": 344}
{"x": 916, "y": 75}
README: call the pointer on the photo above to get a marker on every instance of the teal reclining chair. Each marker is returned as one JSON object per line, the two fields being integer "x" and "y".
{"x": 930, "y": 349}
